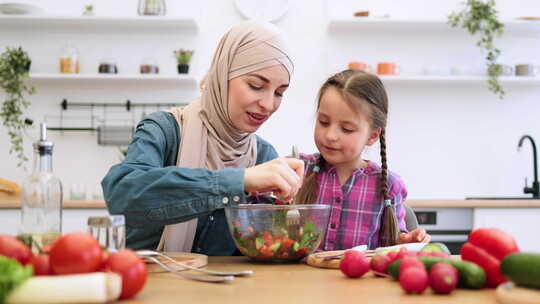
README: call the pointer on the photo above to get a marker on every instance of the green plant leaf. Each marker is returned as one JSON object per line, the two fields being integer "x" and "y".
{"x": 14, "y": 68}
{"x": 481, "y": 17}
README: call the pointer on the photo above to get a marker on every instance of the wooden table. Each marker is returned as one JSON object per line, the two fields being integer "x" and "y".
{"x": 291, "y": 283}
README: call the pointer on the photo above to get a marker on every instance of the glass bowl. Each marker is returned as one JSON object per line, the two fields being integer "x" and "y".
{"x": 277, "y": 233}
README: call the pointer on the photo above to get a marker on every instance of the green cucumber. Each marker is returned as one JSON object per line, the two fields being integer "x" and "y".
{"x": 522, "y": 269}
{"x": 470, "y": 275}
{"x": 438, "y": 247}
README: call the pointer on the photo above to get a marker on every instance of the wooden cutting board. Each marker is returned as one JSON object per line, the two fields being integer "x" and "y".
{"x": 508, "y": 293}
{"x": 320, "y": 259}
{"x": 191, "y": 259}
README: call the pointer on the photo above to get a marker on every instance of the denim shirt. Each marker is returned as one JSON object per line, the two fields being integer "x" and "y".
{"x": 151, "y": 191}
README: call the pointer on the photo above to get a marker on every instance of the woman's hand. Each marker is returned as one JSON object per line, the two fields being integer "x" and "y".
{"x": 417, "y": 235}
{"x": 282, "y": 176}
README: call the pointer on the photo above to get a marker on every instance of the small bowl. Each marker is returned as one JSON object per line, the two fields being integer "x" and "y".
{"x": 265, "y": 232}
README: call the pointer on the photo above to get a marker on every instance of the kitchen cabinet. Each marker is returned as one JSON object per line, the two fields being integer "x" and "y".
{"x": 522, "y": 223}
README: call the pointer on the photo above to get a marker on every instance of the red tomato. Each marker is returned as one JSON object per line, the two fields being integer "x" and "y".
{"x": 286, "y": 244}
{"x": 268, "y": 238}
{"x": 41, "y": 264}
{"x": 354, "y": 264}
{"x": 104, "y": 260}
{"x": 15, "y": 249}
{"x": 77, "y": 252}
{"x": 131, "y": 268}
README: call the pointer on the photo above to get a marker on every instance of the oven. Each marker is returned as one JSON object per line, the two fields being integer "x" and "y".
{"x": 450, "y": 226}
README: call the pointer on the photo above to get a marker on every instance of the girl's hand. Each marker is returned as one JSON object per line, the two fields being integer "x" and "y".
{"x": 417, "y": 235}
{"x": 282, "y": 176}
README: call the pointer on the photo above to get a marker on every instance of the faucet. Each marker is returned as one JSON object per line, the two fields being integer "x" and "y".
{"x": 535, "y": 189}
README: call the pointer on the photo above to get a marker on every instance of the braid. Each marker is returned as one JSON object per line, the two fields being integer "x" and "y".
{"x": 308, "y": 192}
{"x": 389, "y": 232}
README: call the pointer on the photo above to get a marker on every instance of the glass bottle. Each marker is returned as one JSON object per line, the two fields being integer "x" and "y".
{"x": 152, "y": 8}
{"x": 41, "y": 203}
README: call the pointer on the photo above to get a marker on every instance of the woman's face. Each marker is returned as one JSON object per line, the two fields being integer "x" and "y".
{"x": 255, "y": 96}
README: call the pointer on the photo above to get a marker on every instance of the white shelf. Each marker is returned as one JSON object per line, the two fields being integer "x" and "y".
{"x": 505, "y": 80}
{"x": 388, "y": 24}
{"x": 136, "y": 78}
{"x": 78, "y": 22}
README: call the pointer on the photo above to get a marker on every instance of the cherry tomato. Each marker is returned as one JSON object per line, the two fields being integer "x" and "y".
{"x": 77, "y": 252}
{"x": 41, "y": 264}
{"x": 15, "y": 249}
{"x": 131, "y": 268}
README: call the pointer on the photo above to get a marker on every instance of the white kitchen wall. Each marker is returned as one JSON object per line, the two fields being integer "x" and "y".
{"x": 446, "y": 140}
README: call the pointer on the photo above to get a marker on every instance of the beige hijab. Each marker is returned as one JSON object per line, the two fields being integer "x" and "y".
{"x": 208, "y": 137}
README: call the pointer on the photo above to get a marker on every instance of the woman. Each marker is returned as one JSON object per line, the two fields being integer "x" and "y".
{"x": 184, "y": 166}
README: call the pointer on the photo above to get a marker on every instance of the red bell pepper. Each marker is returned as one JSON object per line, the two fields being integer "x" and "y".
{"x": 487, "y": 247}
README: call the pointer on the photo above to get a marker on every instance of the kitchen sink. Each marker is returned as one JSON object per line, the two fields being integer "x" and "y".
{"x": 503, "y": 198}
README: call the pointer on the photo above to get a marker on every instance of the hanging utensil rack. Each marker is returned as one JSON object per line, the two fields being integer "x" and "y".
{"x": 128, "y": 105}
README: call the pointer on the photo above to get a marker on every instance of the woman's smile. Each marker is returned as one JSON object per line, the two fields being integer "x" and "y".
{"x": 256, "y": 118}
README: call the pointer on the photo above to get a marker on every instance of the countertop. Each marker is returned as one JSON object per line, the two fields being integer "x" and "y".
{"x": 434, "y": 203}
{"x": 291, "y": 283}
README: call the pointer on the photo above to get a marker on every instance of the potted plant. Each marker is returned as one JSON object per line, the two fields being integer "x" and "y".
{"x": 183, "y": 58}
{"x": 14, "y": 71}
{"x": 480, "y": 16}
{"x": 88, "y": 10}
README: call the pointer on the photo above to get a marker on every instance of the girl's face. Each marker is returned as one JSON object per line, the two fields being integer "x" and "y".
{"x": 341, "y": 132}
{"x": 255, "y": 96}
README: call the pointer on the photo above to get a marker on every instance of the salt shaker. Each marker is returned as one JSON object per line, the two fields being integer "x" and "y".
{"x": 110, "y": 231}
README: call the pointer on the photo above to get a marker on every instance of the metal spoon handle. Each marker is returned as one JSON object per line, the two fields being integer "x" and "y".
{"x": 188, "y": 275}
{"x": 153, "y": 253}
{"x": 212, "y": 272}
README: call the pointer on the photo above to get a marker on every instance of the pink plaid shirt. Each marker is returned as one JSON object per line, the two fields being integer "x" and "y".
{"x": 356, "y": 207}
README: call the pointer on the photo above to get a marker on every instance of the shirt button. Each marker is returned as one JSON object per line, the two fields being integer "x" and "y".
{"x": 225, "y": 200}
{"x": 333, "y": 226}
{"x": 236, "y": 198}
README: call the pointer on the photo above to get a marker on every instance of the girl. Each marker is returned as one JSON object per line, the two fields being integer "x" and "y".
{"x": 185, "y": 165}
{"x": 367, "y": 200}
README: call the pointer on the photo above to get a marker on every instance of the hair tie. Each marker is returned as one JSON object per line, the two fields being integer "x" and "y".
{"x": 388, "y": 203}
{"x": 316, "y": 169}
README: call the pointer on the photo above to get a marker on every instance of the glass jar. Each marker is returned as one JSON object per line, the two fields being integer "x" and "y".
{"x": 152, "y": 8}
{"x": 108, "y": 66}
{"x": 69, "y": 62}
{"x": 110, "y": 231}
{"x": 149, "y": 66}
{"x": 41, "y": 202}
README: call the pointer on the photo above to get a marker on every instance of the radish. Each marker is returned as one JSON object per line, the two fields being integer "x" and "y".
{"x": 379, "y": 264}
{"x": 414, "y": 280}
{"x": 443, "y": 278}
{"x": 354, "y": 264}
{"x": 410, "y": 262}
